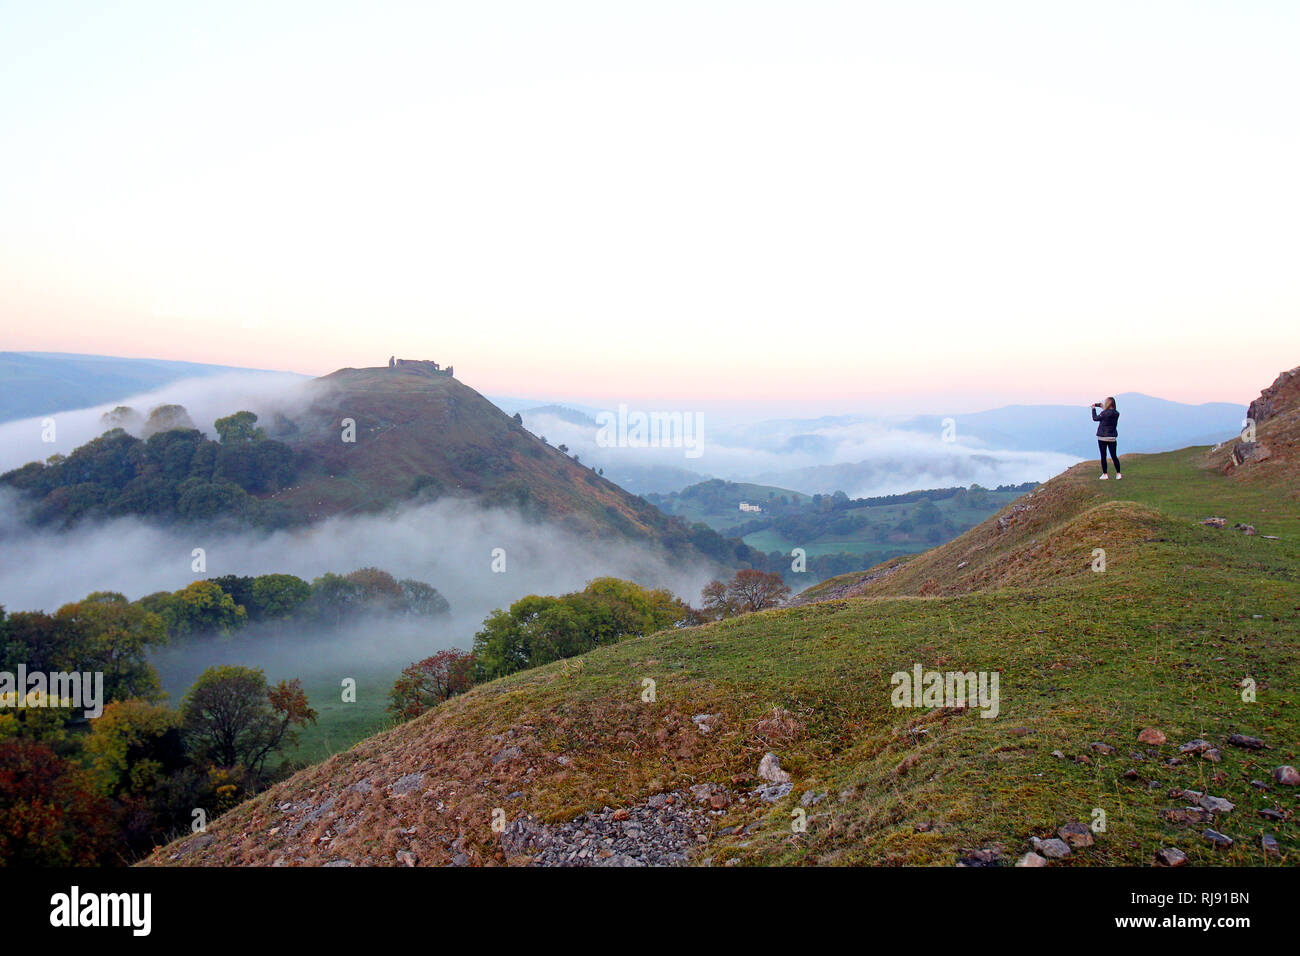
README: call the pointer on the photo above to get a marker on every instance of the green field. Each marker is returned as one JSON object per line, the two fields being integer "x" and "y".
{"x": 724, "y": 511}
{"x": 338, "y": 726}
{"x": 881, "y": 535}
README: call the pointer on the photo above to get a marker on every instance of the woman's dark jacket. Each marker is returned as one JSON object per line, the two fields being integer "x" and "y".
{"x": 1109, "y": 418}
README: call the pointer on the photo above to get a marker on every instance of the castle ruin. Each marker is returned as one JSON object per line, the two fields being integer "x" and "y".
{"x": 420, "y": 365}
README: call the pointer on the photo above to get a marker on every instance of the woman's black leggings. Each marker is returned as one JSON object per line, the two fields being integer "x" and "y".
{"x": 1101, "y": 447}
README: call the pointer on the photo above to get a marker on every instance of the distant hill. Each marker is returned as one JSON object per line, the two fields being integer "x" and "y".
{"x": 871, "y": 529}
{"x": 421, "y": 434}
{"x": 1146, "y": 424}
{"x": 40, "y": 383}
{"x": 630, "y": 471}
{"x": 356, "y": 441}
{"x": 868, "y": 455}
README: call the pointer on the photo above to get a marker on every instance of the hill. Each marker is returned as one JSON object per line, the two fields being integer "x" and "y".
{"x": 356, "y": 441}
{"x": 1148, "y": 698}
{"x": 776, "y": 520}
{"x": 421, "y": 434}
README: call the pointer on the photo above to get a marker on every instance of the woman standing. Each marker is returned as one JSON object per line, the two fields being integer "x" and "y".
{"x": 1107, "y": 434}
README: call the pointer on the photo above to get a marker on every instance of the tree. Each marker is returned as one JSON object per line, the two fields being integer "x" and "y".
{"x": 926, "y": 513}
{"x": 758, "y": 590}
{"x": 35, "y": 639}
{"x": 717, "y": 601}
{"x": 49, "y": 814}
{"x": 377, "y": 588}
{"x": 256, "y": 465}
{"x": 240, "y": 589}
{"x": 422, "y": 599}
{"x": 199, "y": 500}
{"x": 429, "y": 682}
{"x": 202, "y": 607}
{"x": 238, "y": 428}
{"x": 750, "y": 590}
{"x": 232, "y": 718}
{"x": 277, "y": 597}
{"x": 133, "y": 746}
{"x": 333, "y": 598}
{"x": 537, "y": 629}
{"x": 113, "y": 636}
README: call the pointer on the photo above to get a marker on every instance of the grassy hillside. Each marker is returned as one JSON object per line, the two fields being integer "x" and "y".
{"x": 422, "y": 435}
{"x": 1162, "y": 638}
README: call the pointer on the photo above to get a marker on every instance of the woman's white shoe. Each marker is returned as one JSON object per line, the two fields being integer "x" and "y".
{"x": 1105, "y": 477}
{"x": 1118, "y": 477}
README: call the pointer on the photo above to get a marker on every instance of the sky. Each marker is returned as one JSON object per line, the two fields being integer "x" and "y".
{"x": 791, "y": 207}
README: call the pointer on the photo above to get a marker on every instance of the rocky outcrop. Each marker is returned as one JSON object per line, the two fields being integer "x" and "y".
{"x": 1284, "y": 393}
{"x": 1245, "y": 451}
{"x": 1273, "y": 421}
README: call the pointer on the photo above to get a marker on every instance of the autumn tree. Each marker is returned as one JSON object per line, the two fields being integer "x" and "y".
{"x": 716, "y": 600}
{"x": 202, "y": 607}
{"x": 111, "y": 635}
{"x": 750, "y": 590}
{"x": 49, "y": 814}
{"x": 429, "y": 682}
{"x": 134, "y": 745}
{"x": 233, "y": 718}
{"x": 377, "y": 588}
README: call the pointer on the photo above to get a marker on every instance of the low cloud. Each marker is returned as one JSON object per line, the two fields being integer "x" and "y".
{"x": 448, "y": 543}
{"x": 205, "y": 399}
{"x": 858, "y": 456}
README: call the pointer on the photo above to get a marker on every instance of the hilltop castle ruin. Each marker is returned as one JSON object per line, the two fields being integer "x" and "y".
{"x": 420, "y": 365}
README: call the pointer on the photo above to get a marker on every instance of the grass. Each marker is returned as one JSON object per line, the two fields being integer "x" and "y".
{"x": 879, "y": 537}
{"x": 1163, "y": 637}
{"x": 339, "y": 724}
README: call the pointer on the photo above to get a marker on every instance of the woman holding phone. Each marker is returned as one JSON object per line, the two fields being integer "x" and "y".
{"x": 1107, "y": 434}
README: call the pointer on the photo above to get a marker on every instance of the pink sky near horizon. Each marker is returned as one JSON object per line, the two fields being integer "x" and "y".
{"x": 803, "y": 208}
{"x": 849, "y": 380}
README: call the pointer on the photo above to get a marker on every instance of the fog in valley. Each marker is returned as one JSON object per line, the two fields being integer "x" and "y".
{"x": 204, "y": 399}
{"x": 448, "y": 544}
{"x": 814, "y": 456}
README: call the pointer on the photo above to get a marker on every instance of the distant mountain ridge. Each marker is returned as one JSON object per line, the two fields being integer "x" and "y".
{"x": 1147, "y": 424}
{"x": 41, "y": 383}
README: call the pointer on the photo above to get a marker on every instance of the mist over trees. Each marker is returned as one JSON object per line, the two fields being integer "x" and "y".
{"x": 275, "y": 603}
{"x": 78, "y": 790}
{"x": 173, "y": 475}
